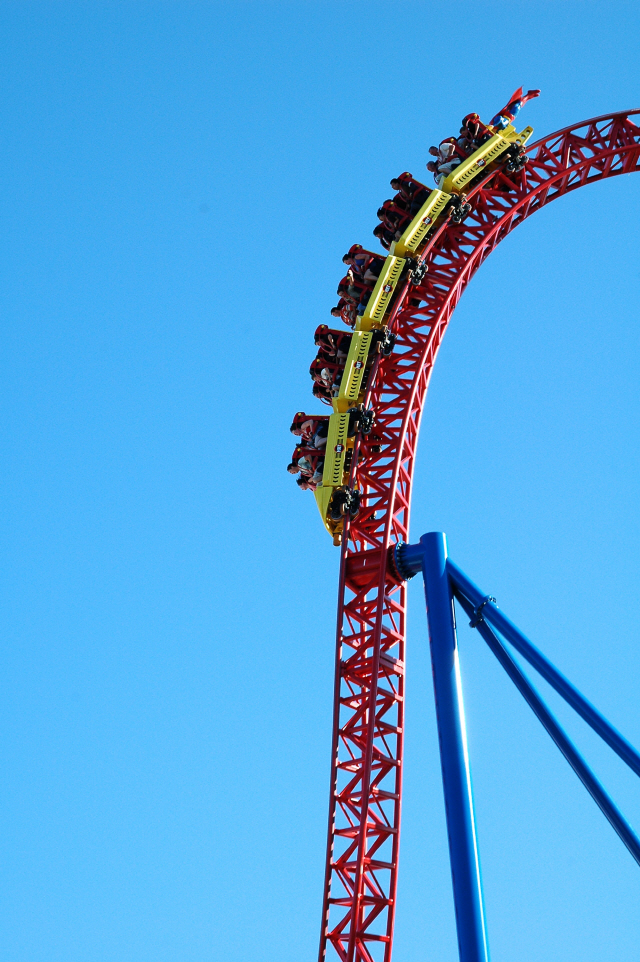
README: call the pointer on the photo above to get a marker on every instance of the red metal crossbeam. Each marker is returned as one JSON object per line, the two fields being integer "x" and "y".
{"x": 366, "y": 777}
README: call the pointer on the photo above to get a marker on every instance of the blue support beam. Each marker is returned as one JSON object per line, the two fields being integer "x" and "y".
{"x": 431, "y": 554}
{"x": 566, "y": 746}
{"x": 491, "y": 613}
{"x": 443, "y": 581}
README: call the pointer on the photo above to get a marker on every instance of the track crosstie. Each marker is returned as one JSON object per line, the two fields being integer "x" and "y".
{"x": 366, "y": 776}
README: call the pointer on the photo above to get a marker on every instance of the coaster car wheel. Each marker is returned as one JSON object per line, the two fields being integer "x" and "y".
{"x": 517, "y": 158}
{"x": 459, "y": 209}
{"x": 384, "y": 342}
{"x": 418, "y": 273}
{"x": 345, "y": 501}
{"x": 360, "y": 419}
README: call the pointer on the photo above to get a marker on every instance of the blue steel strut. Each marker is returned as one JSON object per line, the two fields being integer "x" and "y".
{"x": 444, "y": 582}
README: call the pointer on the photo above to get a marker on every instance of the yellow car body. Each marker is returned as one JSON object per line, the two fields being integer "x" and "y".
{"x": 381, "y": 294}
{"x": 417, "y": 231}
{"x": 354, "y": 368}
{"x": 333, "y": 473}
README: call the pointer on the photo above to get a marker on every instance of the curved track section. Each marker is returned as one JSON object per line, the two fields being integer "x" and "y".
{"x": 366, "y": 777}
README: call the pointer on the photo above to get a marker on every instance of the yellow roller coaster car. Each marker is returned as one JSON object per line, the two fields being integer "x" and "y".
{"x": 416, "y": 232}
{"x": 354, "y": 369}
{"x": 381, "y": 295}
{"x": 480, "y": 159}
{"x": 333, "y": 475}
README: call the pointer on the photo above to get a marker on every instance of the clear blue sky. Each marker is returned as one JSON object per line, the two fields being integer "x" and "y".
{"x": 178, "y": 184}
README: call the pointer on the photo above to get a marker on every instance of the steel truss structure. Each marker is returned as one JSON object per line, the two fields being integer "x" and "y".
{"x": 366, "y": 776}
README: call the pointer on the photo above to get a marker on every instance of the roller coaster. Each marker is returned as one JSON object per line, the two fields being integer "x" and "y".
{"x": 359, "y": 462}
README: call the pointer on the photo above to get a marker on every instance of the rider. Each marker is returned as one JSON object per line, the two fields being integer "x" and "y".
{"x": 347, "y": 291}
{"x": 308, "y": 464}
{"x": 386, "y": 237}
{"x": 322, "y": 393}
{"x": 475, "y": 131}
{"x": 355, "y": 259}
{"x": 390, "y": 218}
{"x": 308, "y": 426}
{"x": 448, "y": 156}
{"x": 346, "y": 311}
{"x": 332, "y": 344}
{"x": 363, "y": 264}
{"x": 412, "y": 192}
{"x": 327, "y": 375}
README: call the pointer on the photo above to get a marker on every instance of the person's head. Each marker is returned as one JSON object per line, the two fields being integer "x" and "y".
{"x": 379, "y": 230}
{"x": 380, "y": 213}
{"x": 293, "y": 468}
{"x": 396, "y": 184}
{"x": 336, "y": 311}
{"x": 431, "y": 166}
{"x": 298, "y": 420}
{"x": 433, "y": 151}
{"x": 348, "y": 259}
{"x": 303, "y": 483}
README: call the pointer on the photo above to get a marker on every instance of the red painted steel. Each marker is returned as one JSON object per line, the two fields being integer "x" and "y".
{"x": 366, "y": 779}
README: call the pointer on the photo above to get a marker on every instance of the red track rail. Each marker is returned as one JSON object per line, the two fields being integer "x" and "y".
{"x": 366, "y": 777}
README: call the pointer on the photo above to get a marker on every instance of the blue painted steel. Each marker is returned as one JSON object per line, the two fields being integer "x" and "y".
{"x": 492, "y": 614}
{"x": 568, "y": 749}
{"x": 408, "y": 559}
{"x": 456, "y": 777}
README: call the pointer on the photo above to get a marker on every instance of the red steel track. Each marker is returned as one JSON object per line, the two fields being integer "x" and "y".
{"x": 366, "y": 777}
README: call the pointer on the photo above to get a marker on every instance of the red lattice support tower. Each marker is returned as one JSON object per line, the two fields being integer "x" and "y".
{"x": 366, "y": 777}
